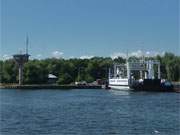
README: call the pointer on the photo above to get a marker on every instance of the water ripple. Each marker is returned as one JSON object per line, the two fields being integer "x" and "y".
{"x": 88, "y": 112}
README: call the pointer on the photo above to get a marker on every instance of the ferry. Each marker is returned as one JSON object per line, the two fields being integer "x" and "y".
{"x": 121, "y": 76}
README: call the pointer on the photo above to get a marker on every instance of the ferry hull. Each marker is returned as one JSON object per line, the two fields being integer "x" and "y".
{"x": 119, "y": 83}
{"x": 118, "y": 87}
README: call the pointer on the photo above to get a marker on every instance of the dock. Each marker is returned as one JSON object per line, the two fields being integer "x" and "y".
{"x": 45, "y": 86}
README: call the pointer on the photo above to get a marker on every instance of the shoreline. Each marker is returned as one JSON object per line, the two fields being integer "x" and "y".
{"x": 176, "y": 86}
{"x": 48, "y": 86}
{"x": 55, "y": 86}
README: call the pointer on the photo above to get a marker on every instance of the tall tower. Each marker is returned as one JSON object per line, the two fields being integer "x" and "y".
{"x": 21, "y": 59}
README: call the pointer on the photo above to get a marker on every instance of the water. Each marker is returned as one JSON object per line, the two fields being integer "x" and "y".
{"x": 88, "y": 112}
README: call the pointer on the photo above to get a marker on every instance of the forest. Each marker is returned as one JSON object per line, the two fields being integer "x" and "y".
{"x": 70, "y": 70}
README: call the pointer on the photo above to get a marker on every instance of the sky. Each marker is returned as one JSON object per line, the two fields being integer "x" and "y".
{"x": 87, "y": 28}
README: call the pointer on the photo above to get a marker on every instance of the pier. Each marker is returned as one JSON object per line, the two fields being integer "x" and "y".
{"x": 176, "y": 87}
{"x": 44, "y": 86}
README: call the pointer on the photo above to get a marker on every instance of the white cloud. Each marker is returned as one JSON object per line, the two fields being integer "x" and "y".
{"x": 39, "y": 56}
{"x": 6, "y": 57}
{"x": 118, "y": 54}
{"x": 162, "y": 53}
{"x": 71, "y": 57}
{"x": 86, "y": 57}
{"x": 137, "y": 53}
{"x": 154, "y": 53}
{"x": 57, "y": 54}
{"x": 147, "y": 53}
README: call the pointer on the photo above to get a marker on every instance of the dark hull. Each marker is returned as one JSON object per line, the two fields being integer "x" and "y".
{"x": 152, "y": 85}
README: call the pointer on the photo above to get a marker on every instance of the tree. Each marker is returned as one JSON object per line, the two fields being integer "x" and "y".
{"x": 35, "y": 73}
{"x": 173, "y": 69}
{"x": 119, "y": 60}
{"x": 9, "y": 71}
{"x": 65, "y": 79}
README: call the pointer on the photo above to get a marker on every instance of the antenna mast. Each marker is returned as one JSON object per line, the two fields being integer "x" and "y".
{"x": 127, "y": 55}
{"x": 27, "y": 43}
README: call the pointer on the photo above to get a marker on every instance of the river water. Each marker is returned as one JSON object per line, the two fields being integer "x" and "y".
{"x": 88, "y": 112}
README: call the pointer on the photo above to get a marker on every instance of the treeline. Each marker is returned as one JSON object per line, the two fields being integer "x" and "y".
{"x": 71, "y": 70}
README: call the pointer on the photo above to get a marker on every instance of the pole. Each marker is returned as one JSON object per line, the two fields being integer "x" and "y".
{"x": 159, "y": 71}
{"x": 20, "y": 74}
{"x": 141, "y": 74}
{"x": 78, "y": 74}
{"x": 27, "y": 43}
{"x": 127, "y": 66}
{"x": 109, "y": 74}
{"x": 115, "y": 72}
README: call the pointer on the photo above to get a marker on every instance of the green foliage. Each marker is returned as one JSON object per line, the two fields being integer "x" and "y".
{"x": 173, "y": 68}
{"x": 35, "y": 73}
{"x": 89, "y": 78}
{"x": 1, "y": 71}
{"x": 8, "y": 71}
{"x": 119, "y": 60}
{"x": 65, "y": 79}
{"x": 71, "y": 70}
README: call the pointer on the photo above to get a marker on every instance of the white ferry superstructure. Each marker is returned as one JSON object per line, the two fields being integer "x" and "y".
{"x": 119, "y": 79}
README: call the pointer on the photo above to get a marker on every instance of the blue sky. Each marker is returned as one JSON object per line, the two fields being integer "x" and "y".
{"x": 85, "y": 28}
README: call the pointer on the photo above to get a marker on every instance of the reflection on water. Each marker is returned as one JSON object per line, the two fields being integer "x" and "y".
{"x": 88, "y": 112}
